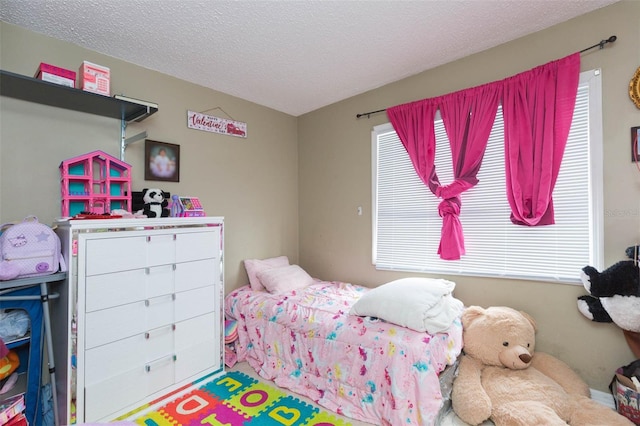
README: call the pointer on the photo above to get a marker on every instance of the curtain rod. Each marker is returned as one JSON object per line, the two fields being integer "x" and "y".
{"x": 600, "y": 45}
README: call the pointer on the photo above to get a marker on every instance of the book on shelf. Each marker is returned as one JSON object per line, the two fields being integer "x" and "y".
{"x": 19, "y": 420}
{"x": 136, "y": 101}
{"x": 11, "y": 407}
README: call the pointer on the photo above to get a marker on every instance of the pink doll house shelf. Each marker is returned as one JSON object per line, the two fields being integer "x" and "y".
{"x": 96, "y": 183}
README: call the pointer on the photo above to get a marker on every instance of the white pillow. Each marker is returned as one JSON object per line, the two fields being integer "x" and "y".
{"x": 253, "y": 266}
{"x": 284, "y": 279}
{"x": 422, "y": 304}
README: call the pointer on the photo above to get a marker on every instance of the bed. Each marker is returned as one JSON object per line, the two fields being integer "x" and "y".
{"x": 305, "y": 340}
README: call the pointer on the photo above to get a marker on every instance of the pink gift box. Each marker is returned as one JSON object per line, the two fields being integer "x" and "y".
{"x": 53, "y": 74}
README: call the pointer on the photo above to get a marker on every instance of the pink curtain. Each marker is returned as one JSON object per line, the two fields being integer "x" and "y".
{"x": 413, "y": 123}
{"x": 538, "y": 109}
{"x": 468, "y": 118}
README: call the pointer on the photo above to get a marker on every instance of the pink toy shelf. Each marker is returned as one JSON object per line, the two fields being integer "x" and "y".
{"x": 95, "y": 182}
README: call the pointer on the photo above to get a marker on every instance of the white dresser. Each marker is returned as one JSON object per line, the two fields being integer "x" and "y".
{"x": 141, "y": 315}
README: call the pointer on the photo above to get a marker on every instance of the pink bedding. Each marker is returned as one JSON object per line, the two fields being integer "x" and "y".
{"x": 360, "y": 367}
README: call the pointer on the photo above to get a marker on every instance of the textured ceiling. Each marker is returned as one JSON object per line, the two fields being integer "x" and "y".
{"x": 292, "y": 56}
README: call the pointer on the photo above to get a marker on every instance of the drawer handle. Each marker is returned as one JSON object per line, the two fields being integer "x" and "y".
{"x": 173, "y": 358}
{"x": 147, "y": 334}
{"x": 172, "y": 297}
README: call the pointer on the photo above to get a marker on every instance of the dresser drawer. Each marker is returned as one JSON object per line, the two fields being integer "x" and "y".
{"x": 114, "y": 254}
{"x": 107, "y": 290}
{"x": 104, "y": 255}
{"x": 199, "y": 273}
{"x": 202, "y": 243}
{"x": 106, "y": 398}
{"x": 110, "y": 360}
{"x": 119, "y": 288}
{"x": 109, "y": 325}
{"x": 127, "y": 388}
{"x": 193, "y": 303}
{"x": 197, "y": 345}
{"x": 191, "y": 331}
{"x": 197, "y": 358}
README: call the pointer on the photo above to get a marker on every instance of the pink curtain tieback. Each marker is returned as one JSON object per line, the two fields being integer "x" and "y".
{"x": 449, "y": 206}
{"x": 452, "y": 242}
{"x": 454, "y": 189}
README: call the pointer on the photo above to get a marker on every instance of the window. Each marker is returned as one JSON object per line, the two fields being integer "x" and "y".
{"x": 406, "y": 224}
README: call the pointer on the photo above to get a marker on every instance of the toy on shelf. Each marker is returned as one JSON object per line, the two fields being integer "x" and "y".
{"x": 186, "y": 207}
{"x": 96, "y": 183}
{"x": 9, "y": 364}
{"x": 155, "y": 204}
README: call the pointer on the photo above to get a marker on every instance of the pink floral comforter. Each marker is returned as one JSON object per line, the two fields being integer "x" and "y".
{"x": 363, "y": 368}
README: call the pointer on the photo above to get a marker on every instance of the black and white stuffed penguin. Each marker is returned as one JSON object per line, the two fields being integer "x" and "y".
{"x": 614, "y": 294}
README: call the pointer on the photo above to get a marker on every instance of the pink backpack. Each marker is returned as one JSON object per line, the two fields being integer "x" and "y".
{"x": 29, "y": 249}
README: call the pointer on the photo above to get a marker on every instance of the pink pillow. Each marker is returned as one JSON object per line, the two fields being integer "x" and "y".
{"x": 253, "y": 266}
{"x": 284, "y": 279}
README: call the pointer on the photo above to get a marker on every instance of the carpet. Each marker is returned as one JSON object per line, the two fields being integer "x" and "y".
{"x": 236, "y": 399}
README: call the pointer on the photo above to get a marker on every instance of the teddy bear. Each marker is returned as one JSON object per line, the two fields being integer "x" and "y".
{"x": 154, "y": 203}
{"x": 502, "y": 378}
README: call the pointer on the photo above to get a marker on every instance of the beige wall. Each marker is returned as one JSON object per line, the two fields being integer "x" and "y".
{"x": 252, "y": 182}
{"x": 322, "y": 162}
{"x": 335, "y": 178}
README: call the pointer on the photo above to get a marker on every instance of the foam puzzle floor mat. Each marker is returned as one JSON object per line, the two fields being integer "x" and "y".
{"x": 236, "y": 399}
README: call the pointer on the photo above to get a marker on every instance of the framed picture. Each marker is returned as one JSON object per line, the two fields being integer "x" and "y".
{"x": 635, "y": 144}
{"x": 161, "y": 161}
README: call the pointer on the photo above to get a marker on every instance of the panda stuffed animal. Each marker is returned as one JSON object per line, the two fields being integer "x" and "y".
{"x": 154, "y": 203}
{"x": 614, "y": 294}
